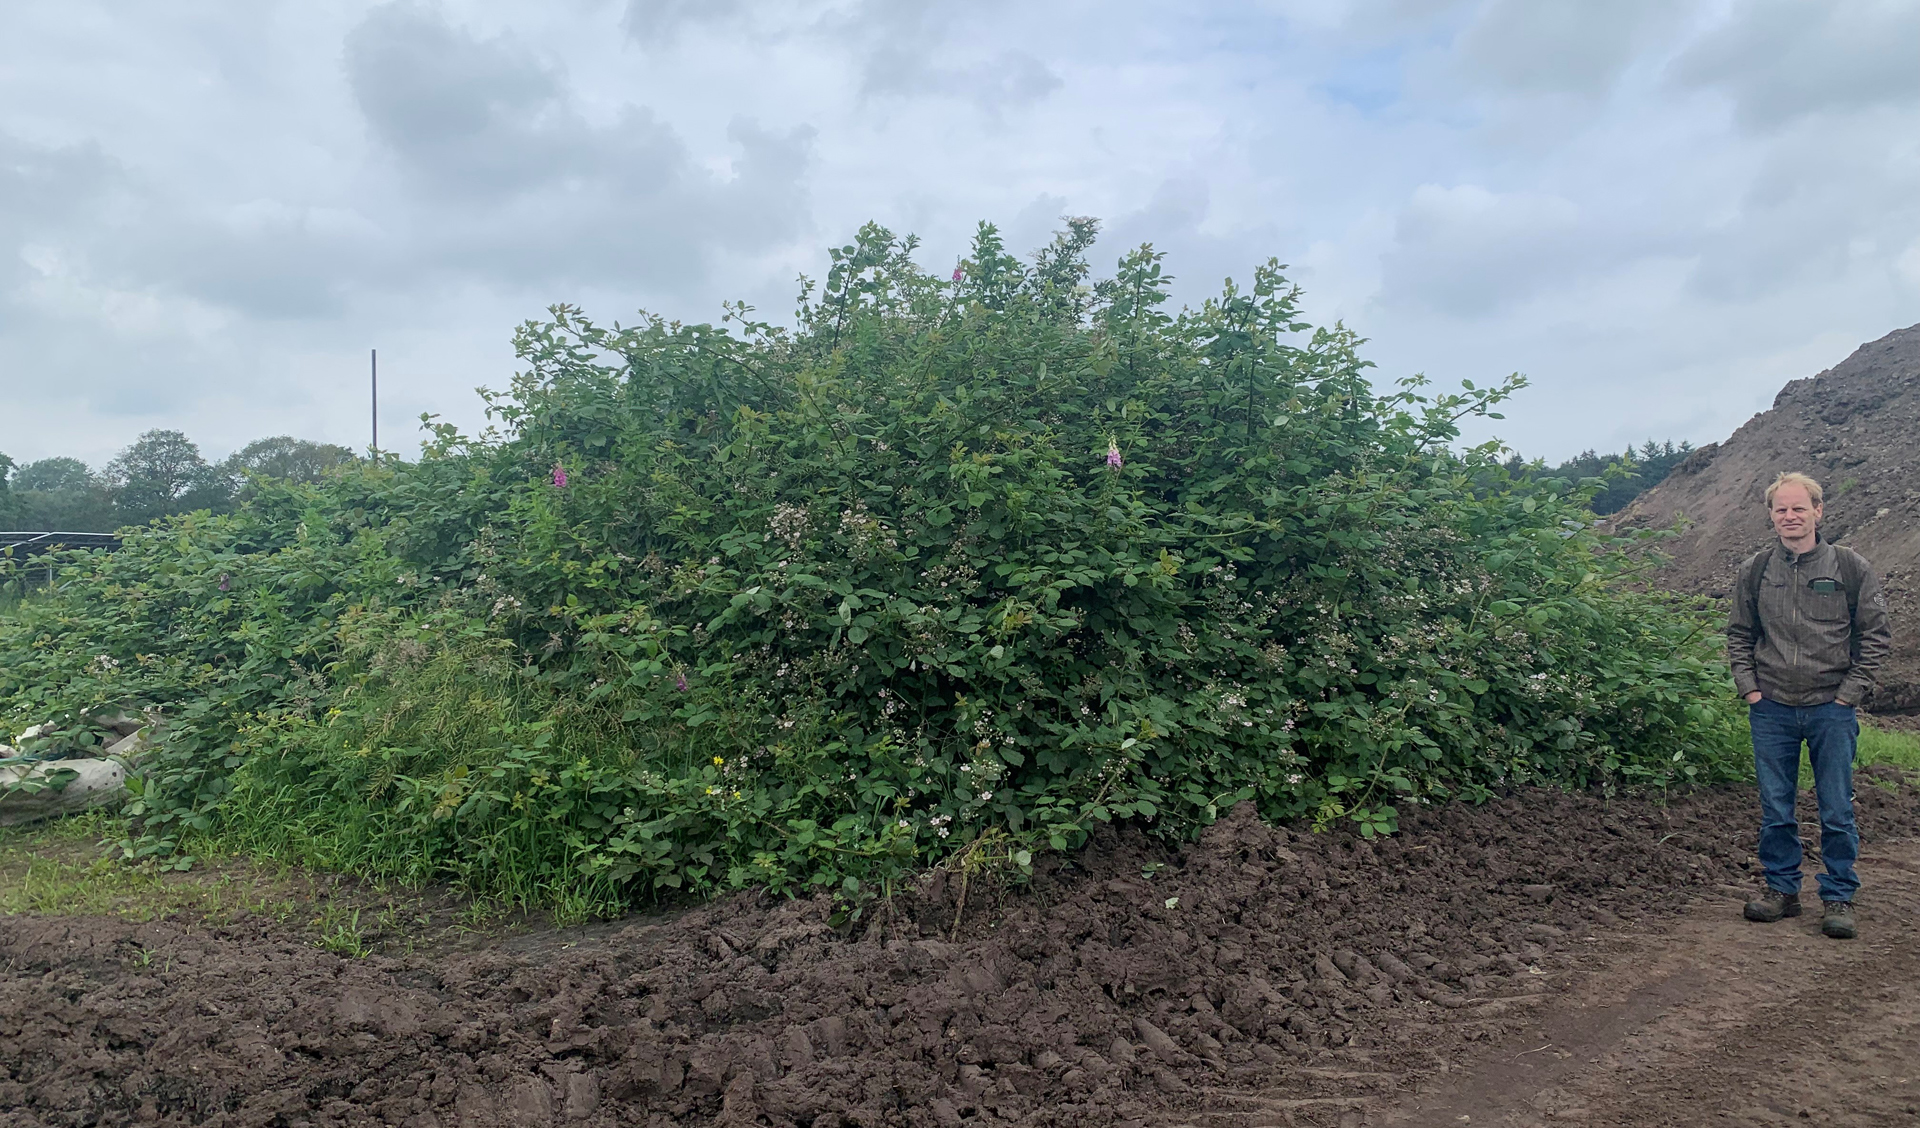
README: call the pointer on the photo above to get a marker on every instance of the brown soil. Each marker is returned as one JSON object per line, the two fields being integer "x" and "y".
{"x": 1263, "y": 976}
{"x": 1856, "y": 428}
{"x": 1735, "y": 1024}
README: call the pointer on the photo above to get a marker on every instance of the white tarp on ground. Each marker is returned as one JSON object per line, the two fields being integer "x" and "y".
{"x": 31, "y": 792}
{"x": 44, "y": 784}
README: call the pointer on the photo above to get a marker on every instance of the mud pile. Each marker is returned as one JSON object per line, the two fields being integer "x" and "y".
{"x": 1264, "y": 974}
{"x": 1856, "y": 428}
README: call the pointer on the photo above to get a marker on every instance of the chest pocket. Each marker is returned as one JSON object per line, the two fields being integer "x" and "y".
{"x": 1825, "y": 601}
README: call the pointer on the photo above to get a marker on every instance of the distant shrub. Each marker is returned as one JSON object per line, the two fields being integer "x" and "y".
{"x": 1008, "y": 554}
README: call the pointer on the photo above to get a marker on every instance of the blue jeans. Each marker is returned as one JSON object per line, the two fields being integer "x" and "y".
{"x": 1830, "y": 732}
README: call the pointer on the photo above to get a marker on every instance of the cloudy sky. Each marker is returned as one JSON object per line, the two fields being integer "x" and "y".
{"x": 1660, "y": 210}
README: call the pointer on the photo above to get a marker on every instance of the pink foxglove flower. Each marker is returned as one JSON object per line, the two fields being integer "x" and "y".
{"x": 559, "y": 476}
{"x": 957, "y": 272}
{"x": 1113, "y": 455}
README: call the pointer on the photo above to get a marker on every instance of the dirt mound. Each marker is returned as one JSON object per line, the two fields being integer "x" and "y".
{"x": 1855, "y": 427}
{"x": 1278, "y": 975}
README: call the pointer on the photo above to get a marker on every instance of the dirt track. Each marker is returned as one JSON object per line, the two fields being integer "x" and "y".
{"x": 1718, "y": 1021}
{"x": 1540, "y": 960}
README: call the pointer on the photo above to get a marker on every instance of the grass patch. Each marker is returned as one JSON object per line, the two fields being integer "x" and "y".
{"x": 1889, "y": 747}
{"x": 67, "y": 868}
{"x": 64, "y": 868}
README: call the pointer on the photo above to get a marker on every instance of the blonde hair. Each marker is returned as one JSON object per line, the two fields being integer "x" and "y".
{"x": 1795, "y": 478}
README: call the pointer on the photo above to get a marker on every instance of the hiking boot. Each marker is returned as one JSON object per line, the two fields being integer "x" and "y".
{"x": 1773, "y": 905}
{"x": 1836, "y": 919}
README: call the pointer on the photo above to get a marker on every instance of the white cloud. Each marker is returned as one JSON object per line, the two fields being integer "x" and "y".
{"x": 1784, "y": 59}
{"x": 513, "y": 181}
{"x": 1467, "y": 251}
{"x": 1561, "y": 48}
{"x": 919, "y": 47}
{"x": 1908, "y": 264}
{"x": 1658, "y": 210}
{"x": 660, "y": 22}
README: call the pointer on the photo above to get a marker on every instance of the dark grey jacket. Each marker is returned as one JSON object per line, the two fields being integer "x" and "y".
{"x": 1810, "y": 628}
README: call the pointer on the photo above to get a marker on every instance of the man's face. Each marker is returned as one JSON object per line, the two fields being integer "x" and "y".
{"x": 1795, "y": 516}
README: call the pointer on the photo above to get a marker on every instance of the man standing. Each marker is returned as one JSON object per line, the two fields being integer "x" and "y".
{"x": 1808, "y": 634}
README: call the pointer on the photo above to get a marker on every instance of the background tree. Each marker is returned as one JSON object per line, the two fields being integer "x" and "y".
{"x": 63, "y": 494}
{"x": 1641, "y": 469}
{"x": 284, "y": 456}
{"x": 54, "y": 475}
{"x": 161, "y": 473}
{"x": 9, "y": 507}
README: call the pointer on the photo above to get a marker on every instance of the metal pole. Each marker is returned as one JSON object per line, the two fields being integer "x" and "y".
{"x": 373, "y": 360}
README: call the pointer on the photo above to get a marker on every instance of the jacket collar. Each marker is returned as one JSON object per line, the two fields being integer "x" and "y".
{"x": 1787, "y": 556}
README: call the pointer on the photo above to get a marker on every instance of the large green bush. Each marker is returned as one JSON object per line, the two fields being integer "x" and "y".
{"x": 978, "y": 561}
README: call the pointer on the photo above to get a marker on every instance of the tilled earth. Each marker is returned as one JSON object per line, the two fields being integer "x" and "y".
{"x": 1542, "y": 958}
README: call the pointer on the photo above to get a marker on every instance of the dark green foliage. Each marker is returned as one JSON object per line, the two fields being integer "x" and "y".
{"x": 161, "y": 474}
{"x": 1623, "y": 476}
{"x": 53, "y": 475}
{"x": 284, "y": 456}
{"x": 9, "y": 505}
{"x": 989, "y": 559}
{"x": 60, "y": 493}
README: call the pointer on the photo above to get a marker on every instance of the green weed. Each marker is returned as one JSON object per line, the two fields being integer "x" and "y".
{"x": 338, "y": 931}
{"x": 479, "y": 914}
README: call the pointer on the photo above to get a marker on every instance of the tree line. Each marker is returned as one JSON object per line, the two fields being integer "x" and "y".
{"x": 163, "y": 473}
{"x": 159, "y": 474}
{"x": 1627, "y": 474}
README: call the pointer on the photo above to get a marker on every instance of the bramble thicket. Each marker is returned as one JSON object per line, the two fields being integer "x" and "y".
{"x": 952, "y": 566}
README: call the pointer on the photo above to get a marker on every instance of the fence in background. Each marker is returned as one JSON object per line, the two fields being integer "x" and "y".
{"x": 24, "y": 545}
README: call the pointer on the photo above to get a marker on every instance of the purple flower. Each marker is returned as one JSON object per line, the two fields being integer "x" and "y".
{"x": 957, "y": 272}
{"x": 224, "y": 585}
{"x": 1113, "y": 455}
{"x": 680, "y": 682}
{"x": 559, "y": 476}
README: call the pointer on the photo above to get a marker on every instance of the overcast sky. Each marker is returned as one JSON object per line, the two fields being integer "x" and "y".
{"x": 1660, "y": 210}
